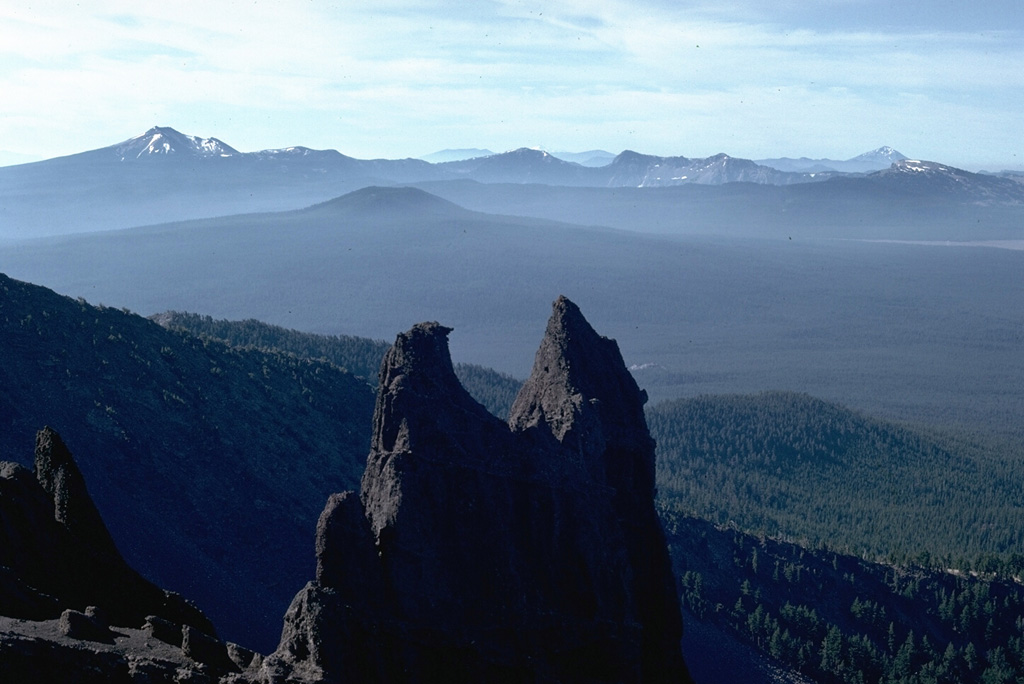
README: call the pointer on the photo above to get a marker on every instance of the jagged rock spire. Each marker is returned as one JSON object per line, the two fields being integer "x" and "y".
{"x": 484, "y": 551}
{"x": 415, "y": 371}
{"x": 582, "y": 394}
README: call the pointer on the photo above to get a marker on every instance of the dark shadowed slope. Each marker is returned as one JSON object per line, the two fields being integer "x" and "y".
{"x": 57, "y": 553}
{"x": 192, "y": 450}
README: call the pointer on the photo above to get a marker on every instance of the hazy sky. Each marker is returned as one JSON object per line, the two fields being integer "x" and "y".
{"x": 940, "y": 80}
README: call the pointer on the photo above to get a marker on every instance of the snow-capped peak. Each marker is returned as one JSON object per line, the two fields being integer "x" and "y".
{"x": 882, "y": 154}
{"x": 165, "y": 141}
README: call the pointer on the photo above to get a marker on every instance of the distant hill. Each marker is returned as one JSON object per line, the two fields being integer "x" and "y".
{"x": 442, "y": 156}
{"x": 523, "y": 165}
{"x": 202, "y": 459}
{"x": 814, "y": 472}
{"x": 910, "y": 177}
{"x": 588, "y": 158}
{"x": 875, "y": 160}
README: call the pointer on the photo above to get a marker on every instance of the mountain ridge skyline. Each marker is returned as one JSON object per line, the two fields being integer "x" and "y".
{"x": 156, "y": 138}
{"x": 164, "y": 175}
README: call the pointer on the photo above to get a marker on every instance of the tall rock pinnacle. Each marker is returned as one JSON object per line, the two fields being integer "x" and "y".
{"x": 73, "y": 508}
{"x": 485, "y": 551}
{"x": 581, "y": 393}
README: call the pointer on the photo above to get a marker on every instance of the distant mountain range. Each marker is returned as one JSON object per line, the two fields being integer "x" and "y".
{"x": 164, "y": 175}
{"x": 588, "y": 158}
{"x": 455, "y": 155}
{"x": 875, "y": 160}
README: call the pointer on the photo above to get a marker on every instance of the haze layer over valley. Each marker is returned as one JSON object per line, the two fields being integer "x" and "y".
{"x": 710, "y": 287}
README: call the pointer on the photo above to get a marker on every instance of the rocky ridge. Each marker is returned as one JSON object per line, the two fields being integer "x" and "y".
{"x": 482, "y": 551}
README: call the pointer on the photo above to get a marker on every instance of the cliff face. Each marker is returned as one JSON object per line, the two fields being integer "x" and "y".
{"x": 483, "y": 551}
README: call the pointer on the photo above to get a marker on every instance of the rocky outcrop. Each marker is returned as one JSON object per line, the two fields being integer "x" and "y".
{"x": 76, "y": 649}
{"x": 59, "y": 554}
{"x": 483, "y": 551}
{"x": 71, "y": 606}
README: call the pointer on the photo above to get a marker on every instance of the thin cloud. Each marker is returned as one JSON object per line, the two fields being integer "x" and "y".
{"x": 397, "y": 76}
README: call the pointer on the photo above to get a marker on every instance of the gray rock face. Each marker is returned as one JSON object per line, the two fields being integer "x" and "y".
{"x": 82, "y": 627}
{"x": 483, "y": 551}
{"x": 202, "y": 648}
{"x": 73, "y": 508}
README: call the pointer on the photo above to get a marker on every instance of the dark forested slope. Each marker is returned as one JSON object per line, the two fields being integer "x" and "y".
{"x": 193, "y": 450}
{"x": 837, "y": 618}
{"x": 798, "y": 467}
{"x": 360, "y": 355}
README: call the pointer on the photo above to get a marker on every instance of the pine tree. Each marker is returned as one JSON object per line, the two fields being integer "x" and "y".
{"x": 903, "y": 663}
{"x": 832, "y": 651}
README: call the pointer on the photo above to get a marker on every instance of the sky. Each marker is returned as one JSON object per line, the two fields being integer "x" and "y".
{"x": 936, "y": 79}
